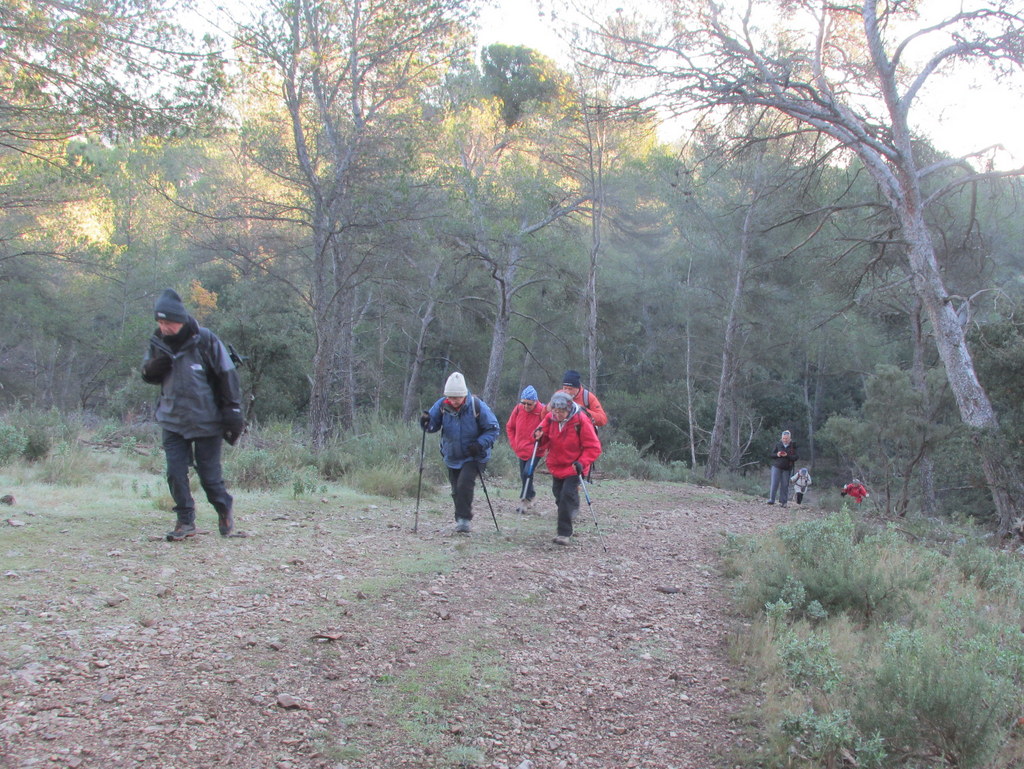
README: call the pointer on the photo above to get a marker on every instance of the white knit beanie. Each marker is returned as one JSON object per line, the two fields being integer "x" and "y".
{"x": 455, "y": 387}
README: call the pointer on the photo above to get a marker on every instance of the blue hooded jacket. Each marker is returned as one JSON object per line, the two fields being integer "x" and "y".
{"x": 473, "y": 422}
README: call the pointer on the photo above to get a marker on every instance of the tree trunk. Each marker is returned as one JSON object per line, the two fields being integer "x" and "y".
{"x": 929, "y": 499}
{"x": 972, "y": 401}
{"x": 727, "y": 375}
{"x": 504, "y": 283}
{"x": 416, "y": 369}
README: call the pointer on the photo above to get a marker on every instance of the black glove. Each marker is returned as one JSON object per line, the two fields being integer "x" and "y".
{"x": 158, "y": 365}
{"x": 842, "y": 493}
{"x": 424, "y": 420}
{"x": 475, "y": 450}
{"x": 234, "y": 423}
{"x": 578, "y": 467}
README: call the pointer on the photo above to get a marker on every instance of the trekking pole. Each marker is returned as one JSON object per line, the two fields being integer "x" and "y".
{"x": 487, "y": 496}
{"x": 419, "y": 484}
{"x": 591, "y": 506}
{"x": 527, "y": 476}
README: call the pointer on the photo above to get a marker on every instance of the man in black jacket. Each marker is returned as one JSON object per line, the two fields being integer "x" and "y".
{"x": 200, "y": 403}
{"x": 783, "y": 458}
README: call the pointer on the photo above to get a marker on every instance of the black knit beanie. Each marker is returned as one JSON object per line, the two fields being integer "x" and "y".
{"x": 170, "y": 307}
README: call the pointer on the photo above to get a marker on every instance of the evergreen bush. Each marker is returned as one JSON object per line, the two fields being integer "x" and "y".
{"x": 256, "y": 469}
{"x": 938, "y": 683}
{"x": 873, "y": 577}
{"x": 947, "y": 690}
{"x": 12, "y": 442}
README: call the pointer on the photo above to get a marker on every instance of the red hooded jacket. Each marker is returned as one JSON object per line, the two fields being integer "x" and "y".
{"x": 574, "y": 440}
{"x": 520, "y": 426}
{"x": 855, "y": 490}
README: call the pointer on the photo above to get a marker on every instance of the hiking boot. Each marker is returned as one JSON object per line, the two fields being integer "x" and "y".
{"x": 462, "y": 525}
{"x": 181, "y": 531}
{"x": 226, "y": 523}
{"x": 771, "y": 501}
{"x": 560, "y": 540}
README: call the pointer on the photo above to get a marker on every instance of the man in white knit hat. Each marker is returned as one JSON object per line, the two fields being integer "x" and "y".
{"x": 468, "y": 431}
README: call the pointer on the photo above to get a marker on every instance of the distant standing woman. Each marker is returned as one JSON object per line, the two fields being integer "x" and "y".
{"x": 783, "y": 458}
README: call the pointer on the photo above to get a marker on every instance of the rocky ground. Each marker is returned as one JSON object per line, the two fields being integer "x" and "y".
{"x": 336, "y": 637}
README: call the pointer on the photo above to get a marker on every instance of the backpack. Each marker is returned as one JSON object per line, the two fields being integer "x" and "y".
{"x": 208, "y": 354}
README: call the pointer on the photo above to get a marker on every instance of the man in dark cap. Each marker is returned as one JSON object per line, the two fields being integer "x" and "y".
{"x": 200, "y": 404}
{"x": 572, "y": 384}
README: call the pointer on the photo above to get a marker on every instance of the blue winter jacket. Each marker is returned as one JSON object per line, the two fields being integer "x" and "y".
{"x": 474, "y": 422}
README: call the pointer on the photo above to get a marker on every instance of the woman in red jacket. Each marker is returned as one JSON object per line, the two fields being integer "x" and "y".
{"x": 524, "y": 419}
{"x": 570, "y": 440}
{"x": 855, "y": 489}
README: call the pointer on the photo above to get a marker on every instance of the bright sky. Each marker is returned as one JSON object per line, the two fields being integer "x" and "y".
{"x": 961, "y": 116}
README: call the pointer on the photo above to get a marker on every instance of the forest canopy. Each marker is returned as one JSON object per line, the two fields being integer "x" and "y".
{"x": 361, "y": 199}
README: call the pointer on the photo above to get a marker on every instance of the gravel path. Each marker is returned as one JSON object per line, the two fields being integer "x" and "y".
{"x": 337, "y": 638}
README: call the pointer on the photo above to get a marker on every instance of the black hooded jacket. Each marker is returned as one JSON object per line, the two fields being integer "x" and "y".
{"x": 198, "y": 382}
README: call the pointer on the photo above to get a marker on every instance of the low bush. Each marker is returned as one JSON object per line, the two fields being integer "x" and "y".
{"x": 624, "y": 460}
{"x": 69, "y": 464}
{"x": 256, "y": 469}
{"x": 828, "y": 563}
{"x": 877, "y": 652}
{"x": 12, "y": 442}
{"x": 938, "y": 691}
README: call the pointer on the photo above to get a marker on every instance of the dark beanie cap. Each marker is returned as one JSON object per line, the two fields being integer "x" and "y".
{"x": 170, "y": 307}
{"x": 571, "y": 378}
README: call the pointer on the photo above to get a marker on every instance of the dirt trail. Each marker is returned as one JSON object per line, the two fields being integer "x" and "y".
{"x": 339, "y": 639}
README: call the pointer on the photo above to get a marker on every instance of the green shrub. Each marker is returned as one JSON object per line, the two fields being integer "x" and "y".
{"x": 945, "y": 691}
{"x": 306, "y": 481}
{"x": 827, "y": 561}
{"x": 38, "y": 443}
{"x": 255, "y": 470}
{"x": 12, "y": 442}
{"x": 394, "y": 480}
{"x": 827, "y": 739}
{"x": 938, "y": 684}
{"x": 624, "y": 460}
{"x": 69, "y": 464}
{"x": 332, "y": 463}
{"x": 989, "y": 569}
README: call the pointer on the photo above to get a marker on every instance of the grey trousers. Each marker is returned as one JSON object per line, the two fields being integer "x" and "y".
{"x": 780, "y": 485}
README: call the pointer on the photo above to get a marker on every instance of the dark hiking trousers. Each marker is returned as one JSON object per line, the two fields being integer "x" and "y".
{"x": 567, "y": 500}
{"x": 463, "y": 481}
{"x": 205, "y": 452}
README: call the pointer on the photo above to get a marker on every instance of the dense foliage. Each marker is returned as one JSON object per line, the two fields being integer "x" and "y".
{"x": 375, "y": 209}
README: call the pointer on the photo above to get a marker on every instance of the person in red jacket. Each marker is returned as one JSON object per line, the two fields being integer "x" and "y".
{"x": 855, "y": 489}
{"x": 522, "y": 422}
{"x": 571, "y": 444}
{"x": 583, "y": 397}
